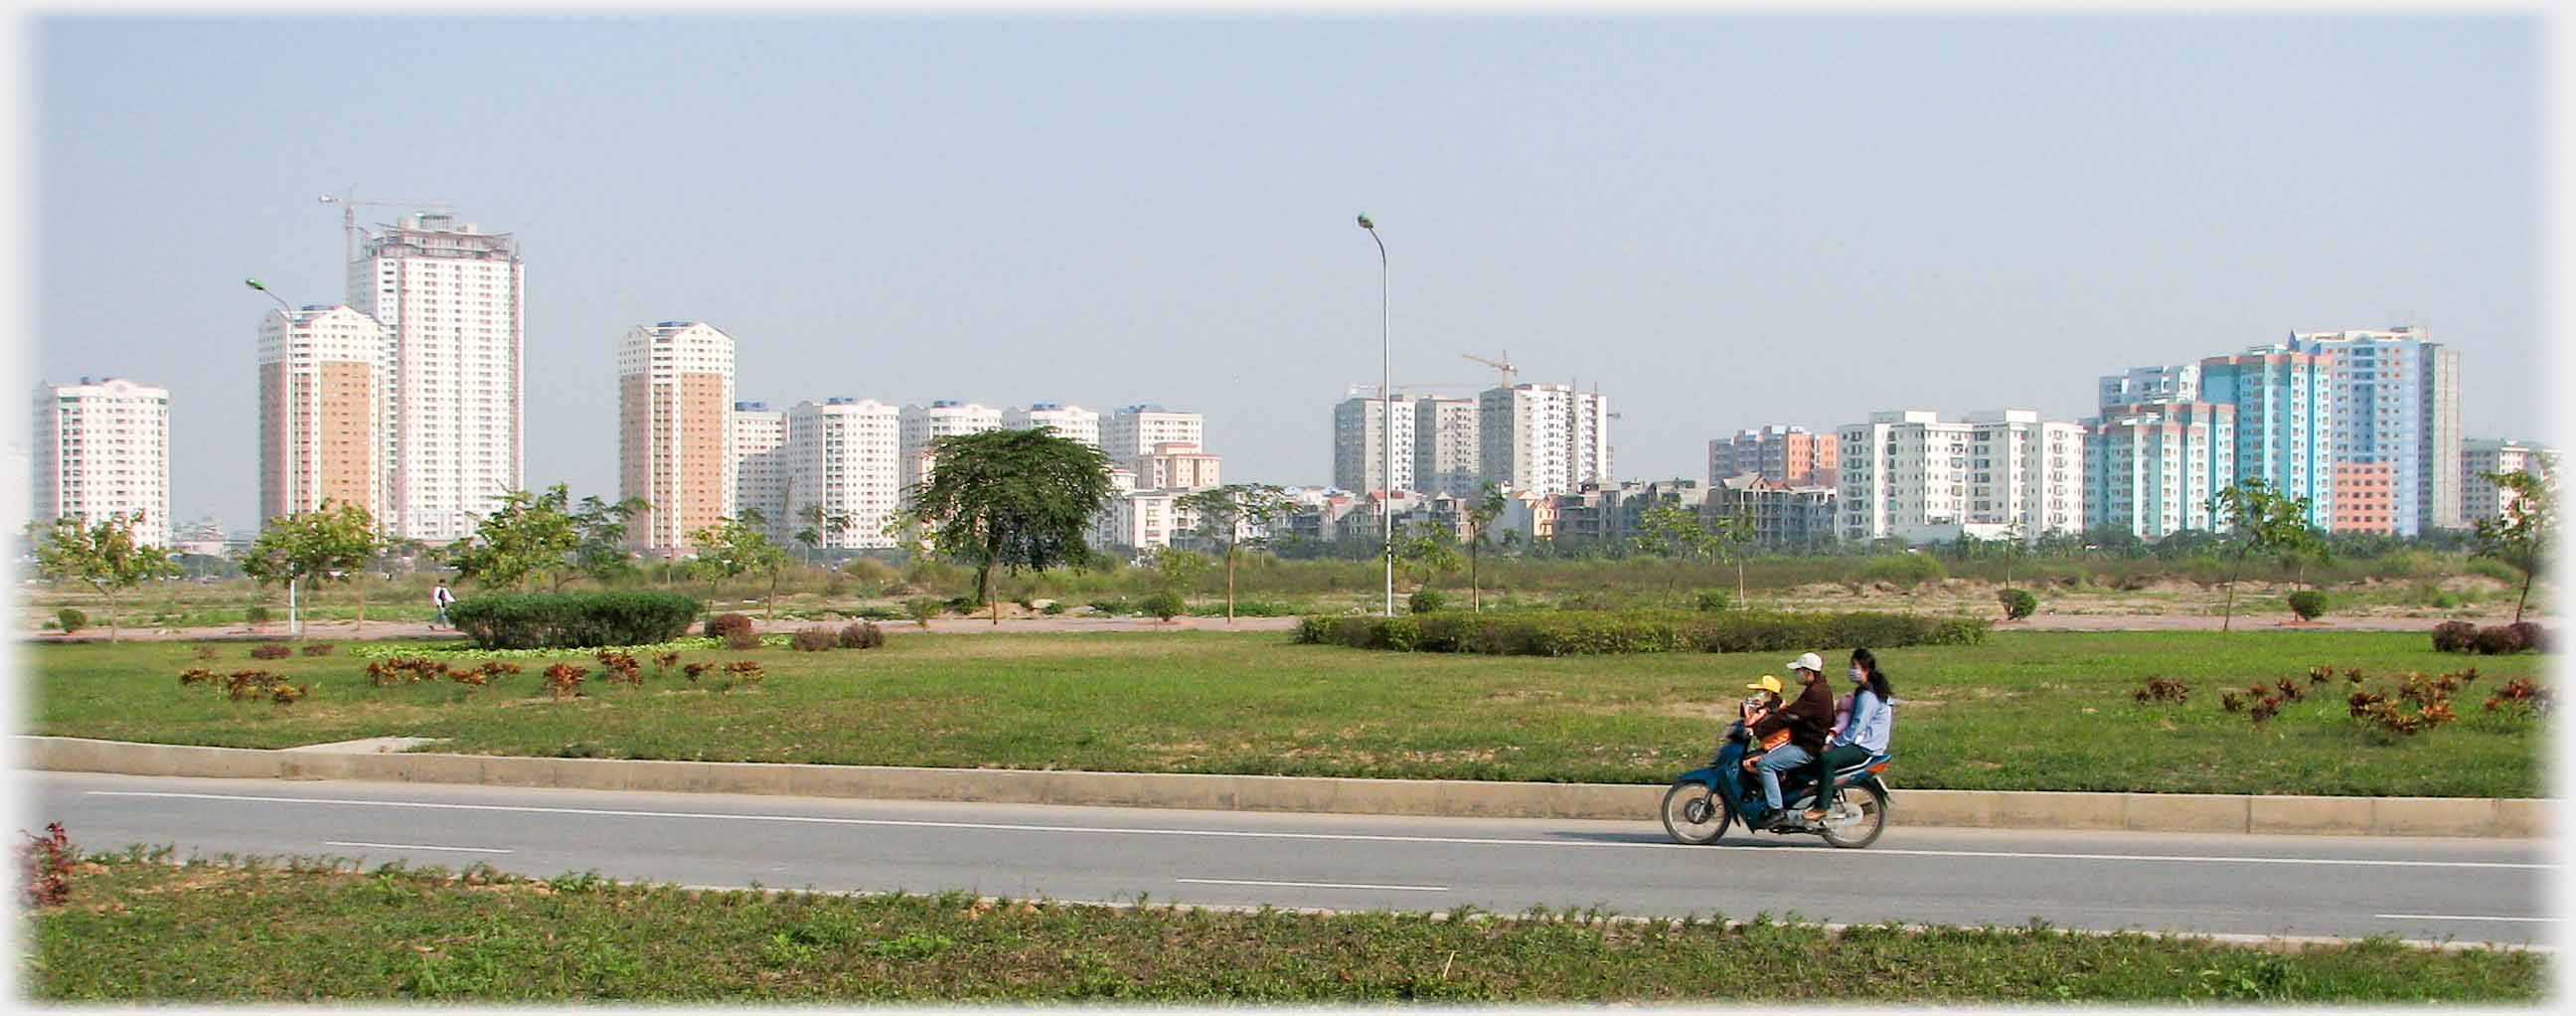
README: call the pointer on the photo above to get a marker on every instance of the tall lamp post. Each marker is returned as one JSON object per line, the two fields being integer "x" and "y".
{"x": 1386, "y": 421}
{"x": 294, "y": 622}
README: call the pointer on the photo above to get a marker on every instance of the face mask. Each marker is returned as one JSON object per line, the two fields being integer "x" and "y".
{"x": 1858, "y": 675}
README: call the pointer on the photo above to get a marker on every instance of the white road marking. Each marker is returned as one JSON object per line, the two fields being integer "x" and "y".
{"x": 1255, "y": 834}
{"x": 2457, "y": 917}
{"x": 1314, "y": 885}
{"x": 412, "y": 846}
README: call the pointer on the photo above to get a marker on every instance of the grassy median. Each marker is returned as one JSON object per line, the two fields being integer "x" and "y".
{"x": 134, "y": 930}
{"x": 2025, "y": 711}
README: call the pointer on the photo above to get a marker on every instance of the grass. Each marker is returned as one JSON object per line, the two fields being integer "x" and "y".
{"x": 2025, "y": 711}
{"x": 135, "y": 930}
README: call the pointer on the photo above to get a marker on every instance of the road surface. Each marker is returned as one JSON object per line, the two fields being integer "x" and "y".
{"x": 2426, "y": 889}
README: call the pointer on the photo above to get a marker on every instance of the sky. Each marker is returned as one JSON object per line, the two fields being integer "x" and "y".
{"x": 1721, "y": 221}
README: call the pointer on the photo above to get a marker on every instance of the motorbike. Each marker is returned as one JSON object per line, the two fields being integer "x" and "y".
{"x": 1705, "y": 802}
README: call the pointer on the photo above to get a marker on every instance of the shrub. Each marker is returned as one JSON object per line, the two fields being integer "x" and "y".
{"x": 573, "y": 620}
{"x": 255, "y": 616}
{"x": 2018, "y": 603}
{"x": 319, "y": 649}
{"x": 742, "y": 640}
{"x": 1582, "y": 633}
{"x": 814, "y": 640}
{"x": 1117, "y": 606}
{"x": 45, "y": 868}
{"x": 922, "y": 608}
{"x": 2163, "y": 689}
{"x": 1711, "y": 601}
{"x": 1053, "y": 608}
{"x": 2534, "y": 637}
{"x": 70, "y": 619}
{"x": 563, "y": 681}
{"x": 1165, "y": 605}
{"x": 747, "y": 671}
{"x": 862, "y": 635}
{"x": 2500, "y": 640}
{"x": 2308, "y": 604}
{"x": 1904, "y": 569}
{"x": 1426, "y": 601}
{"x": 271, "y": 651}
{"x": 722, "y": 625}
{"x": 622, "y": 667}
{"x": 2455, "y": 637}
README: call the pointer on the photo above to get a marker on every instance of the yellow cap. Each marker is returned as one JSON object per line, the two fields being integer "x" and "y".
{"x": 1767, "y": 683}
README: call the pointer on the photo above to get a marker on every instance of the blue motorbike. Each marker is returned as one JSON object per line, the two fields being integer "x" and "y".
{"x": 1703, "y": 803}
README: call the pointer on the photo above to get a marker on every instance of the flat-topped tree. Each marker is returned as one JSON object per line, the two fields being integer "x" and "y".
{"x": 331, "y": 543}
{"x": 1225, "y": 514}
{"x": 1014, "y": 499}
{"x": 102, "y": 555}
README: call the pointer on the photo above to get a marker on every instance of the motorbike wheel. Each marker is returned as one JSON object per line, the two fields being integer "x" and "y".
{"x": 1694, "y": 815}
{"x": 1862, "y": 831}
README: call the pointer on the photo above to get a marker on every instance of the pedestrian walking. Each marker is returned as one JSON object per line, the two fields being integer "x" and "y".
{"x": 444, "y": 600}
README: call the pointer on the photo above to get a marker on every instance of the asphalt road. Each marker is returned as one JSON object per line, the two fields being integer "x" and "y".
{"x": 2426, "y": 889}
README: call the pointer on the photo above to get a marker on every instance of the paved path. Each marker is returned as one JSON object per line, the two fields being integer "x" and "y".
{"x": 2470, "y": 890}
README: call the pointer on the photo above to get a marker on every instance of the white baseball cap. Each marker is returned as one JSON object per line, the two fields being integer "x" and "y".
{"x": 1808, "y": 661}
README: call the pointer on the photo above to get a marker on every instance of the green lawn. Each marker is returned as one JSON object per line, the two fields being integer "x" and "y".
{"x": 140, "y": 931}
{"x": 2026, "y": 711}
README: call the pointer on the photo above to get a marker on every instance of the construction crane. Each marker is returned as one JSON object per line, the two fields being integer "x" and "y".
{"x": 349, "y": 226}
{"x": 1511, "y": 371}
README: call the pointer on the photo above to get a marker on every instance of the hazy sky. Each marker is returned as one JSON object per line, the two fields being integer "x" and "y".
{"x": 1722, "y": 221}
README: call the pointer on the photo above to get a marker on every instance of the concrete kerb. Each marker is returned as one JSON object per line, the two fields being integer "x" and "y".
{"x": 2228, "y": 813}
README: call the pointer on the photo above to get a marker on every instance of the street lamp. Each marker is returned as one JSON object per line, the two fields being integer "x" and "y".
{"x": 1386, "y": 422}
{"x": 294, "y": 623}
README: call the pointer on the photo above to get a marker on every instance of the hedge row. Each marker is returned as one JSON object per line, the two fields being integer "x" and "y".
{"x": 573, "y": 620}
{"x": 1582, "y": 633}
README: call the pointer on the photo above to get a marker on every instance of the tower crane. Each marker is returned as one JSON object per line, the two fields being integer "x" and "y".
{"x": 349, "y": 226}
{"x": 1511, "y": 371}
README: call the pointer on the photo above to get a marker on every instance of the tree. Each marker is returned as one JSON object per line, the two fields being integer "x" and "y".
{"x": 821, "y": 525}
{"x": 599, "y": 534}
{"x": 1671, "y": 530}
{"x": 1014, "y": 499}
{"x": 1179, "y": 569}
{"x": 1489, "y": 506}
{"x": 1734, "y": 533}
{"x": 2520, "y": 537}
{"x": 103, "y": 555}
{"x": 1224, "y": 513}
{"x": 530, "y": 536}
{"x": 2260, "y": 521}
{"x": 314, "y": 548}
{"x": 738, "y": 546}
{"x": 1426, "y": 549}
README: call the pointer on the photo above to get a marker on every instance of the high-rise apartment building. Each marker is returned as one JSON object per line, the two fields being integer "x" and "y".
{"x": 321, "y": 406}
{"x": 102, "y": 448}
{"x": 1447, "y": 449}
{"x": 2149, "y": 385}
{"x": 2285, "y": 422}
{"x": 2480, "y": 498}
{"x": 2396, "y": 402}
{"x": 675, "y": 432}
{"x": 1073, "y": 422}
{"x": 1546, "y": 438}
{"x": 2151, "y": 469}
{"x": 1135, "y": 430}
{"x": 843, "y": 454}
{"x": 757, "y": 439}
{"x": 1910, "y": 475}
{"x": 922, "y": 425}
{"x": 1793, "y": 456}
{"x": 1360, "y": 442}
{"x": 1176, "y": 466}
{"x": 449, "y": 298}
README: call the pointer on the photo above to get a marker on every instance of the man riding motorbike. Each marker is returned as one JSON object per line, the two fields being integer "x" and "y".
{"x": 1806, "y": 719}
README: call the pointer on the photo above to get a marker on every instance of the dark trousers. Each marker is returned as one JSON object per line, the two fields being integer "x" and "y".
{"x": 1833, "y": 759}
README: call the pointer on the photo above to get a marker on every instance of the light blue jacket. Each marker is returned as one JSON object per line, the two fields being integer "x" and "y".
{"x": 1870, "y": 723}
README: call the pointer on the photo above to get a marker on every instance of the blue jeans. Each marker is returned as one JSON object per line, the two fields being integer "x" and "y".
{"x": 1778, "y": 760}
